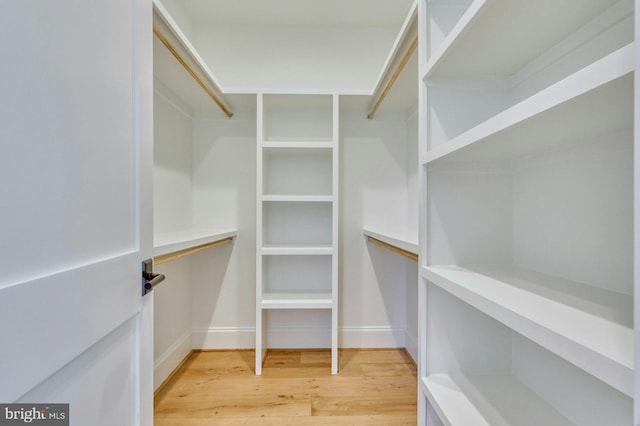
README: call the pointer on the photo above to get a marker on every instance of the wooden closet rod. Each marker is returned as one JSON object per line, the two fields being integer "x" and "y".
{"x": 176, "y": 254}
{"x": 394, "y": 77}
{"x": 394, "y": 249}
{"x": 190, "y": 70}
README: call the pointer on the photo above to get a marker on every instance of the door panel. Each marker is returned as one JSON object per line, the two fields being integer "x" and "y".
{"x": 98, "y": 385}
{"x": 75, "y": 205}
{"x": 67, "y": 127}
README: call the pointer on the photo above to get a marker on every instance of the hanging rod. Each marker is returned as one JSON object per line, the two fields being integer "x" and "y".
{"x": 393, "y": 248}
{"x": 394, "y": 77}
{"x": 179, "y": 253}
{"x": 165, "y": 40}
{"x": 405, "y": 45}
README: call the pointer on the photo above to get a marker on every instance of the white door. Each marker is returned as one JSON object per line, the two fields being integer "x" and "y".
{"x": 75, "y": 207}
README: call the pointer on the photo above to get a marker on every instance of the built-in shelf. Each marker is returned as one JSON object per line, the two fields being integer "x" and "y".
{"x": 563, "y": 113}
{"x": 279, "y": 250}
{"x": 185, "y": 57}
{"x": 403, "y": 247}
{"x": 588, "y": 326}
{"x": 298, "y": 198}
{"x": 298, "y": 144}
{"x": 177, "y": 244}
{"x": 297, "y": 300}
{"x": 477, "y": 46}
{"x": 488, "y": 400}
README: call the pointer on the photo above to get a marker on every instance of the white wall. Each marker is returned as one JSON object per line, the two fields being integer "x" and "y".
{"x": 223, "y": 278}
{"x": 172, "y": 212}
{"x": 294, "y": 57}
{"x": 562, "y": 229}
{"x": 172, "y": 198}
{"x": 373, "y": 286}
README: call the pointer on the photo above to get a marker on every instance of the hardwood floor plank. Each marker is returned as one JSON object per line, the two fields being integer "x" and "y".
{"x": 374, "y": 387}
{"x": 367, "y": 420}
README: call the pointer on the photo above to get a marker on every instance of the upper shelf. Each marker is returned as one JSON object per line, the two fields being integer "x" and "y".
{"x": 484, "y": 43}
{"x": 565, "y": 112}
{"x": 176, "y": 244}
{"x": 178, "y": 65}
{"x": 588, "y": 326}
{"x": 402, "y": 55}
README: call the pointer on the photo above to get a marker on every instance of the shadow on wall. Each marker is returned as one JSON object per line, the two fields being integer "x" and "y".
{"x": 390, "y": 271}
{"x": 208, "y": 272}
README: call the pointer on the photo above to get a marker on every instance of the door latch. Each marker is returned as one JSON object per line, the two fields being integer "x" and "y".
{"x": 149, "y": 279}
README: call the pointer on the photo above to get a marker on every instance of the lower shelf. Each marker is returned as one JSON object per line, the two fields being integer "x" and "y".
{"x": 492, "y": 400}
{"x": 297, "y": 300}
{"x": 589, "y": 327}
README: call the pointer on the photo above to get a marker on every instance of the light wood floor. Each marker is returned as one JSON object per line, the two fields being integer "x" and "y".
{"x": 374, "y": 387}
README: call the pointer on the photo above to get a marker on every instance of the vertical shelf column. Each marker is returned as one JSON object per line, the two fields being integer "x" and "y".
{"x": 335, "y": 234}
{"x": 260, "y": 346}
{"x": 297, "y": 217}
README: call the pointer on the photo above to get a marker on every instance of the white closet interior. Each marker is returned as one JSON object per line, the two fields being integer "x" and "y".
{"x": 206, "y": 179}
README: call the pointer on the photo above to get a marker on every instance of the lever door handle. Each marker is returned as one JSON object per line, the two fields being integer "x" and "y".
{"x": 149, "y": 278}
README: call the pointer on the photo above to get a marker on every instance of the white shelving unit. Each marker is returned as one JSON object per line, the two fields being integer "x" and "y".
{"x": 527, "y": 213}
{"x": 297, "y": 210}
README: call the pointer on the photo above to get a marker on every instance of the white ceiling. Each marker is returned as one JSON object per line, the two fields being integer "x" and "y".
{"x": 376, "y": 13}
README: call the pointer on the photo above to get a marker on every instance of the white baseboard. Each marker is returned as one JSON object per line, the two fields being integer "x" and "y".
{"x": 223, "y": 338}
{"x": 371, "y": 337}
{"x": 170, "y": 359}
{"x": 299, "y": 337}
{"x": 411, "y": 344}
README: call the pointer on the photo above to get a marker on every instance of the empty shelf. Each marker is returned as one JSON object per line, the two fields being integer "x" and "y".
{"x": 297, "y": 300}
{"x": 401, "y": 246}
{"x": 177, "y": 244}
{"x": 588, "y": 326}
{"x": 491, "y": 400}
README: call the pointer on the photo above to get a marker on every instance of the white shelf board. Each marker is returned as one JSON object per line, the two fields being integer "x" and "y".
{"x": 477, "y": 45}
{"x": 279, "y": 250}
{"x": 297, "y": 300}
{"x": 176, "y": 241}
{"x": 566, "y": 112}
{"x": 298, "y": 144}
{"x": 488, "y": 400}
{"x": 173, "y": 75}
{"x": 298, "y": 198}
{"x": 588, "y": 326}
{"x": 401, "y": 243}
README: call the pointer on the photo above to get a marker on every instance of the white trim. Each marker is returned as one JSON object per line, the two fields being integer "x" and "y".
{"x": 223, "y": 338}
{"x": 170, "y": 359}
{"x": 372, "y": 337}
{"x": 411, "y": 345}
{"x": 298, "y": 337}
{"x": 295, "y": 91}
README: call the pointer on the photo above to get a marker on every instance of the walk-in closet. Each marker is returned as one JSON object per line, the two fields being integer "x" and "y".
{"x": 297, "y": 212}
